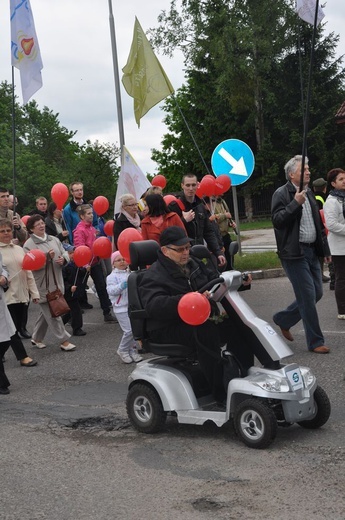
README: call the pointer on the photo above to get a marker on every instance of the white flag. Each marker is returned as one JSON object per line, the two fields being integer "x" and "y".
{"x": 25, "y": 50}
{"x": 306, "y": 10}
{"x": 131, "y": 179}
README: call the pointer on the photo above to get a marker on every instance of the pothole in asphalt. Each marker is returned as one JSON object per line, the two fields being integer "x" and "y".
{"x": 102, "y": 423}
{"x": 207, "y": 504}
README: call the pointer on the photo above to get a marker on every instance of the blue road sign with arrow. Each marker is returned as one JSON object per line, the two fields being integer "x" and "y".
{"x": 235, "y": 159}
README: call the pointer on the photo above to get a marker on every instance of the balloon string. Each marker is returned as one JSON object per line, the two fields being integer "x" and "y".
{"x": 86, "y": 274}
{"x": 11, "y": 277}
{"x": 76, "y": 276}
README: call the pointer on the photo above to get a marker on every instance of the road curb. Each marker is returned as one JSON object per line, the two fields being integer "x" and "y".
{"x": 268, "y": 273}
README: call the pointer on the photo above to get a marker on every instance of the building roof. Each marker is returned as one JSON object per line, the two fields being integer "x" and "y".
{"x": 340, "y": 115}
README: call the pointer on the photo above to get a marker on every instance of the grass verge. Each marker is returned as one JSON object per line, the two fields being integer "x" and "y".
{"x": 257, "y": 261}
{"x": 257, "y": 224}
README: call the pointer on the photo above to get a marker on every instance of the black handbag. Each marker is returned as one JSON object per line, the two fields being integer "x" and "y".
{"x": 56, "y": 300}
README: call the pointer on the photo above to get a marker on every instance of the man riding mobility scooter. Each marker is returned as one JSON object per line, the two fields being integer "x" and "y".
{"x": 259, "y": 398}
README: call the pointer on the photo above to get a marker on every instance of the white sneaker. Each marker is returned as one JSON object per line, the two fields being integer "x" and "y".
{"x": 135, "y": 356}
{"x": 125, "y": 357}
{"x": 38, "y": 344}
{"x": 341, "y": 316}
{"x": 68, "y": 347}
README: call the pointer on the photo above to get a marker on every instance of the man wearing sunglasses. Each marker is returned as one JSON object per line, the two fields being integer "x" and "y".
{"x": 161, "y": 287}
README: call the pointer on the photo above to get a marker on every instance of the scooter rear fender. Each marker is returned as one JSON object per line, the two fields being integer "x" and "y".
{"x": 172, "y": 386}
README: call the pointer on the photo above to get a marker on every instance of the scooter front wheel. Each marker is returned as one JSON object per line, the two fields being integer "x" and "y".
{"x": 144, "y": 409}
{"x": 255, "y": 423}
{"x": 323, "y": 410}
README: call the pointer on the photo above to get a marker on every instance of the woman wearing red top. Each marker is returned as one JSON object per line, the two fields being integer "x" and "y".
{"x": 85, "y": 235}
{"x": 158, "y": 218}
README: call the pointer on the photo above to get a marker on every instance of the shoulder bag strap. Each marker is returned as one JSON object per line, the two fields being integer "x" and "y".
{"x": 52, "y": 264}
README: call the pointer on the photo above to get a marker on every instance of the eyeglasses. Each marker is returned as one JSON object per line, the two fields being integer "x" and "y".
{"x": 179, "y": 249}
{"x": 131, "y": 205}
{"x": 6, "y": 230}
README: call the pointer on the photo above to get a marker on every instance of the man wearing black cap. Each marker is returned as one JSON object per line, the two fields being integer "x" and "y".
{"x": 162, "y": 286}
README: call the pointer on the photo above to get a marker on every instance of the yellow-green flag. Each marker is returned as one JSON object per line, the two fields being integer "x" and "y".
{"x": 143, "y": 76}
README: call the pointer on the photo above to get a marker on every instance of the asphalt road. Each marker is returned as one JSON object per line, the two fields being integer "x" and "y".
{"x": 67, "y": 450}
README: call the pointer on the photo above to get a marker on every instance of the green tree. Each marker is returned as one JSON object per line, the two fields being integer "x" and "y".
{"x": 45, "y": 153}
{"x": 242, "y": 80}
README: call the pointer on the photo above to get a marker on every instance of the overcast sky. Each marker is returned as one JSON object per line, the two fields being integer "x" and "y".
{"x": 78, "y": 79}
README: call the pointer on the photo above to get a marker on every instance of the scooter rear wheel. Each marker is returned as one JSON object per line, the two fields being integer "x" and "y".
{"x": 144, "y": 409}
{"x": 323, "y": 410}
{"x": 255, "y": 423}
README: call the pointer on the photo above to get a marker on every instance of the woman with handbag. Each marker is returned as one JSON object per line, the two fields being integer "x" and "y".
{"x": 48, "y": 280}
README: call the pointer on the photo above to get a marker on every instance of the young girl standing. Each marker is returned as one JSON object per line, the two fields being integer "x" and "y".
{"x": 118, "y": 294}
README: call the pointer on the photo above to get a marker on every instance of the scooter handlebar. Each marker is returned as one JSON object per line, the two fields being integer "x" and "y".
{"x": 210, "y": 284}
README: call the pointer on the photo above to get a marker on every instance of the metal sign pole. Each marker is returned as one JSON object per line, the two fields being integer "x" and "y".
{"x": 237, "y": 219}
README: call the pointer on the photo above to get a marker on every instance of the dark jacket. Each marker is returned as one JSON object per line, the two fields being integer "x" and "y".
{"x": 162, "y": 286}
{"x": 120, "y": 224}
{"x": 320, "y": 198}
{"x": 73, "y": 276}
{"x": 51, "y": 229}
{"x": 36, "y": 211}
{"x": 200, "y": 228}
{"x": 286, "y": 218}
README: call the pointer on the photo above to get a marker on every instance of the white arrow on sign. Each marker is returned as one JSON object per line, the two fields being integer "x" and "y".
{"x": 238, "y": 167}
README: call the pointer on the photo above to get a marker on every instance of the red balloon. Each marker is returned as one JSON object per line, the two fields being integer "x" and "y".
{"x": 168, "y": 199}
{"x": 59, "y": 194}
{"x": 207, "y": 185}
{"x": 223, "y": 184}
{"x": 82, "y": 256}
{"x": 180, "y": 204}
{"x": 109, "y": 228}
{"x": 102, "y": 247}
{"x": 199, "y": 192}
{"x": 24, "y": 219}
{"x": 100, "y": 205}
{"x": 125, "y": 238}
{"x": 194, "y": 308}
{"x": 34, "y": 260}
{"x": 159, "y": 180}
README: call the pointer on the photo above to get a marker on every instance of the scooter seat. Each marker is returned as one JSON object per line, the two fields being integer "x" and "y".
{"x": 169, "y": 349}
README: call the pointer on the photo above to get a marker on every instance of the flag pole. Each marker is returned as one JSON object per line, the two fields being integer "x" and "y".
{"x": 116, "y": 76}
{"x": 14, "y": 166}
{"x": 306, "y": 117}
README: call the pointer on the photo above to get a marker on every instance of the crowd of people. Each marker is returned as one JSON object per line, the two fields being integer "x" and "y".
{"x": 301, "y": 243}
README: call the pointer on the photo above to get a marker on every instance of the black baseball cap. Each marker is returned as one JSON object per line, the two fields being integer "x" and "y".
{"x": 174, "y": 235}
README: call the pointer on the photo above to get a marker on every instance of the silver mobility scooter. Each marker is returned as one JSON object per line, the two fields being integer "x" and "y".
{"x": 259, "y": 398}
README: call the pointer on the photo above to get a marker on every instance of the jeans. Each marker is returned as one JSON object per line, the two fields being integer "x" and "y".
{"x": 305, "y": 277}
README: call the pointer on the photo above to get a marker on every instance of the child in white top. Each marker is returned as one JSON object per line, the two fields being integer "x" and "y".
{"x": 118, "y": 294}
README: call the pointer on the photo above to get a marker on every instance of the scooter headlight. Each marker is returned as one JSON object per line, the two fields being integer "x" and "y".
{"x": 308, "y": 377}
{"x": 273, "y": 384}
